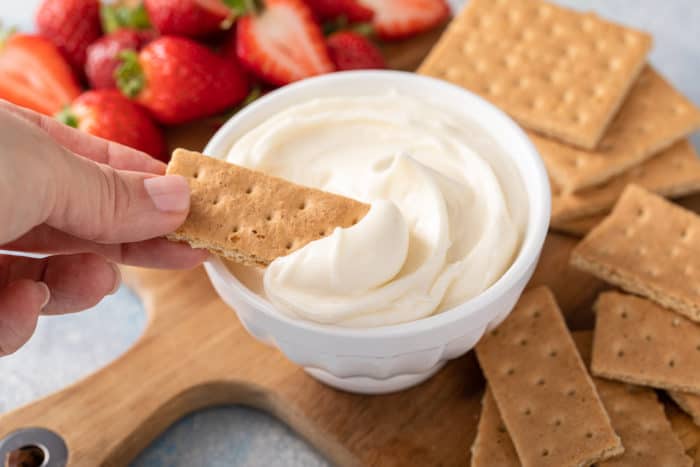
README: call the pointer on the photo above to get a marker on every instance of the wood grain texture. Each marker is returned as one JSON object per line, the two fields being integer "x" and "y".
{"x": 195, "y": 353}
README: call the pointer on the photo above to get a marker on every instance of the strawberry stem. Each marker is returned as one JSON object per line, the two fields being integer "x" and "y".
{"x": 67, "y": 117}
{"x": 341, "y": 24}
{"x": 116, "y": 17}
{"x": 129, "y": 75}
{"x": 243, "y": 7}
{"x": 363, "y": 29}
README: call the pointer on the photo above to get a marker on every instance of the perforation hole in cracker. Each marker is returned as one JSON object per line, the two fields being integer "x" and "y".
{"x": 251, "y": 217}
{"x": 653, "y": 347}
{"x": 559, "y": 39}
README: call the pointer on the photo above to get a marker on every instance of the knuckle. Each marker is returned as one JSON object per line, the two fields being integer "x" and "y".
{"x": 113, "y": 205}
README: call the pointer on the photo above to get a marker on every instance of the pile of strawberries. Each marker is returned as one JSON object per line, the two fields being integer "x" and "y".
{"x": 152, "y": 63}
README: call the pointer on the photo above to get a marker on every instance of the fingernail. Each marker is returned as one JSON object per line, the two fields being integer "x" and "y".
{"x": 117, "y": 279}
{"x": 47, "y": 294}
{"x": 169, "y": 193}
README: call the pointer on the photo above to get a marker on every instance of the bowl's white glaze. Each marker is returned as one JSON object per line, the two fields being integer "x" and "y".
{"x": 389, "y": 358}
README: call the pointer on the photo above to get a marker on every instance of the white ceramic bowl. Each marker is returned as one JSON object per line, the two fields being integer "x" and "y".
{"x": 390, "y": 358}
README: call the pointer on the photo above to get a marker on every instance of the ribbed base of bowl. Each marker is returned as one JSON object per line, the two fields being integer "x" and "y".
{"x": 364, "y": 385}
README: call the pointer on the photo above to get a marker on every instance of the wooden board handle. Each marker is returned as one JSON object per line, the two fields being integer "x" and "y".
{"x": 113, "y": 414}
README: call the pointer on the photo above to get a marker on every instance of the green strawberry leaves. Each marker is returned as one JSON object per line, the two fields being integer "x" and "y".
{"x": 115, "y": 17}
{"x": 129, "y": 75}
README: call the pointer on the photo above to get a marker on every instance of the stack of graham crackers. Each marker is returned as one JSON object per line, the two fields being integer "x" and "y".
{"x": 600, "y": 116}
{"x": 613, "y": 135}
{"x": 543, "y": 407}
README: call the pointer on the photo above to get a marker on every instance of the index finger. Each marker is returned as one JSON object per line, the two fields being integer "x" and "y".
{"x": 97, "y": 149}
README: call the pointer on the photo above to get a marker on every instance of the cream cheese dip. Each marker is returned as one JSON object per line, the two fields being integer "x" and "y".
{"x": 448, "y": 209}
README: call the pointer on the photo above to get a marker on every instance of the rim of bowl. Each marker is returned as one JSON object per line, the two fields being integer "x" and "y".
{"x": 535, "y": 232}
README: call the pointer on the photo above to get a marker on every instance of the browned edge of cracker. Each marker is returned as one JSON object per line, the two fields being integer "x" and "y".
{"x": 492, "y": 444}
{"x": 251, "y": 217}
{"x": 542, "y": 389}
{"x": 648, "y": 246}
{"x": 639, "y": 342}
{"x": 578, "y": 227}
{"x": 638, "y": 417}
{"x": 690, "y": 403}
{"x": 654, "y": 116}
{"x": 686, "y": 431}
{"x": 673, "y": 173}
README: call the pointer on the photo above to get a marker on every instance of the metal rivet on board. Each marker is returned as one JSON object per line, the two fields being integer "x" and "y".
{"x": 35, "y": 447}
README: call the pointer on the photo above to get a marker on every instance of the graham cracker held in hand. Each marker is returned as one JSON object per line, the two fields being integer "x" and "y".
{"x": 250, "y": 217}
{"x": 672, "y": 173}
{"x": 492, "y": 445}
{"x": 690, "y": 403}
{"x": 687, "y": 431}
{"x": 542, "y": 389}
{"x": 578, "y": 227}
{"x": 652, "y": 118}
{"x": 557, "y": 71}
{"x": 638, "y": 417}
{"x": 639, "y": 342}
{"x": 648, "y": 246}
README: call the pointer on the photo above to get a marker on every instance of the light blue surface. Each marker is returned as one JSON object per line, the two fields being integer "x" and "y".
{"x": 68, "y": 347}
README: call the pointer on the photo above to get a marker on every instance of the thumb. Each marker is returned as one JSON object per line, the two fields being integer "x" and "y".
{"x": 99, "y": 203}
{"x": 21, "y": 302}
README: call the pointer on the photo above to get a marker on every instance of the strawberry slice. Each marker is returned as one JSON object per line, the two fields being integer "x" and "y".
{"x": 34, "y": 74}
{"x": 283, "y": 43}
{"x": 398, "y": 19}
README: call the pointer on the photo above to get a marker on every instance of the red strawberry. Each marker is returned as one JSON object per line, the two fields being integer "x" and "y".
{"x": 283, "y": 43}
{"x": 108, "y": 114}
{"x": 397, "y": 19}
{"x": 72, "y": 25}
{"x": 179, "y": 80}
{"x": 103, "y": 55}
{"x": 352, "y": 10}
{"x": 191, "y": 18}
{"x": 352, "y": 51}
{"x": 228, "y": 46}
{"x": 34, "y": 74}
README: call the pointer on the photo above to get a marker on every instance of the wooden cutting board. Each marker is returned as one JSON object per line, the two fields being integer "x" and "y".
{"x": 194, "y": 353}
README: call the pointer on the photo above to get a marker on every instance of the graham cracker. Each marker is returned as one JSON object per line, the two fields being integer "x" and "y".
{"x": 652, "y": 118}
{"x": 638, "y": 417}
{"x": 250, "y": 217}
{"x": 492, "y": 445}
{"x": 672, "y": 173}
{"x": 578, "y": 227}
{"x": 690, "y": 403}
{"x": 555, "y": 70}
{"x": 648, "y": 246}
{"x": 542, "y": 389}
{"x": 639, "y": 342}
{"x": 686, "y": 431}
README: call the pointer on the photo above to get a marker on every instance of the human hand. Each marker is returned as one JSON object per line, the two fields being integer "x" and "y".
{"x": 92, "y": 203}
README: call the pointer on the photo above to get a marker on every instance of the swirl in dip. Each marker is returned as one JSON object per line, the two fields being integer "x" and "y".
{"x": 448, "y": 209}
